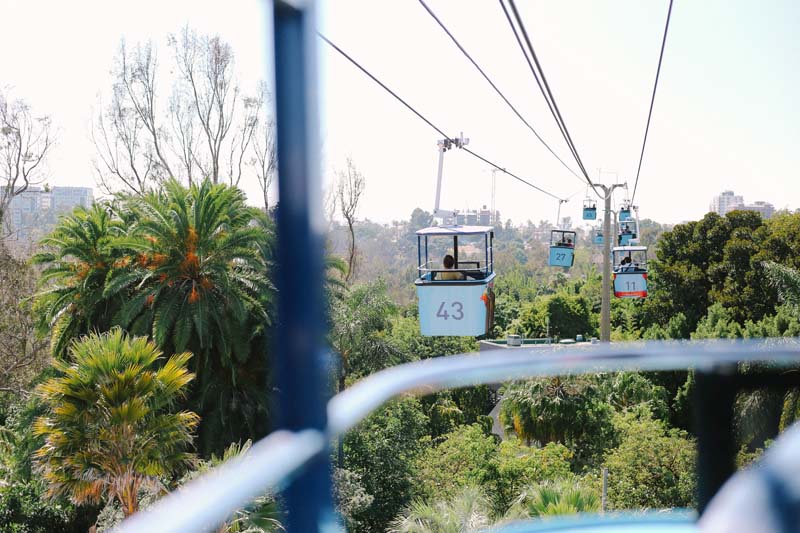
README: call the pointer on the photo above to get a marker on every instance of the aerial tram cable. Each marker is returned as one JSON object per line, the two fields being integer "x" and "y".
{"x": 496, "y": 89}
{"x": 431, "y": 124}
{"x": 652, "y": 99}
{"x": 544, "y": 87}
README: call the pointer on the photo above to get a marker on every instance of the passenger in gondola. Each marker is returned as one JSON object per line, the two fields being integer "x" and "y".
{"x": 449, "y": 262}
{"x": 569, "y": 243}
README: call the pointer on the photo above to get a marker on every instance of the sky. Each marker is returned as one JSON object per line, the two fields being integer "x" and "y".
{"x": 724, "y": 117}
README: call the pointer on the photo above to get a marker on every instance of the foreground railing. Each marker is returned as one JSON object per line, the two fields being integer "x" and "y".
{"x": 271, "y": 463}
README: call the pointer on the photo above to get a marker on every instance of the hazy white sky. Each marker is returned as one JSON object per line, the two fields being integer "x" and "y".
{"x": 725, "y": 115}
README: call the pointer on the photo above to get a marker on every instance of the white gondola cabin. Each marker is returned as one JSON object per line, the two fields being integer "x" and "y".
{"x": 455, "y": 295}
{"x": 562, "y": 248}
{"x": 630, "y": 271}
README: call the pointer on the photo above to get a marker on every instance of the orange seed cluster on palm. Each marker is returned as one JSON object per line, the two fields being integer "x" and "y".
{"x": 194, "y": 296}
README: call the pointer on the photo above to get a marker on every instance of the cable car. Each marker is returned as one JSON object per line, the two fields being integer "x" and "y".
{"x": 598, "y": 236}
{"x": 562, "y": 248}
{"x": 455, "y": 301}
{"x": 589, "y": 210}
{"x": 625, "y": 213}
{"x": 630, "y": 271}
{"x": 628, "y": 233}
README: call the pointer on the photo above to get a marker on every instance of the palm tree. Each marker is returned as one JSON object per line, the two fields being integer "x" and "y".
{"x": 552, "y": 498}
{"x": 786, "y": 280}
{"x": 109, "y": 431}
{"x": 198, "y": 270}
{"x": 542, "y": 410}
{"x": 467, "y": 512}
{"x": 198, "y": 280}
{"x": 82, "y": 253}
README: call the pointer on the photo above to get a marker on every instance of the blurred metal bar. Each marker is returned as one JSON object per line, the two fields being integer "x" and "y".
{"x": 714, "y": 395}
{"x": 502, "y": 365}
{"x": 301, "y": 354}
{"x": 206, "y": 502}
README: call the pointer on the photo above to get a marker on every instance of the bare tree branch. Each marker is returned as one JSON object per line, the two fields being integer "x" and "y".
{"x": 25, "y": 143}
{"x": 206, "y": 67}
{"x": 350, "y": 189}
{"x": 265, "y": 160}
{"x": 203, "y": 129}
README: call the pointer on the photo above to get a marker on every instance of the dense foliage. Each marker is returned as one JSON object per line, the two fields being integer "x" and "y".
{"x": 187, "y": 267}
{"x": 190, "y": 268}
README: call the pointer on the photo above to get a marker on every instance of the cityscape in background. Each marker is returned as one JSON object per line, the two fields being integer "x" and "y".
{"x": 728, "y": 201}
{"x": 34, "y": 213}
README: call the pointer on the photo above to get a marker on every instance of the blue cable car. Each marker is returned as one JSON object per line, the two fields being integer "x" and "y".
{"x": 628, "y": 233}
{"x": 589, "y": 210}
{"x": 457, "y": 300}
{"x": 562, "y": 248}
{"x": 598, "y": 236}
{"x": 625, "y": 213}
{"x": 630, "y": 271}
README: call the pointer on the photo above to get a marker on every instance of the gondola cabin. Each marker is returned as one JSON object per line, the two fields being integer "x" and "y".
{"x": 630, "y": 271}
{"x": 455, "y": 280}
{"x": 562, "y": 248}
{"x": 628, "y": 233}
{"x": 598, "y": 236}
{"x": 589, "y": 210}
{"x": 625, "y": 214}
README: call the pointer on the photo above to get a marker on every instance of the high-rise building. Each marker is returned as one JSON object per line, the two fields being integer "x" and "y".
{"x": 765, "y": 208}
{"x": 35, "y": 211}
{"x": 68, "y": 198}
{"x": 726, "y": 202}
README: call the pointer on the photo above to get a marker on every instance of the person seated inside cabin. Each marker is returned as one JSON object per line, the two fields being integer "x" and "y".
{"x": 569, "y": 243}
{"x": 449, "y": 262}
{"x": 625, "y": 264}
{"x": 626, "y": 230}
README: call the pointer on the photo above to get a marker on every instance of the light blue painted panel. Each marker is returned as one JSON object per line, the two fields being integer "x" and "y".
{"x": 624, "y": 215}
{"x": 561, "y": 256}
{"x": 453, "y": 309}
{"x": 625, "y": 238}
{"x": 589, "y": 213}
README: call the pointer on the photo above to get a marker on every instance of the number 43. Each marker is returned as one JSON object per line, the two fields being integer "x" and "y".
{"x": 457, "y": 315}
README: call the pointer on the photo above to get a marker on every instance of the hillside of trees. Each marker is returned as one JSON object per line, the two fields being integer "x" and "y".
{"x": 177, "y": 283}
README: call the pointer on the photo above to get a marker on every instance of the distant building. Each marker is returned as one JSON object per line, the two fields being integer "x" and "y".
{"x": 34, "y": 212}
{"x": 726, "y": 202}
{"x": 68, "y": 198}
{"x": 472, "y": 217}
{"x": 485, "y": 217}
{"x": 766, "y": 209}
